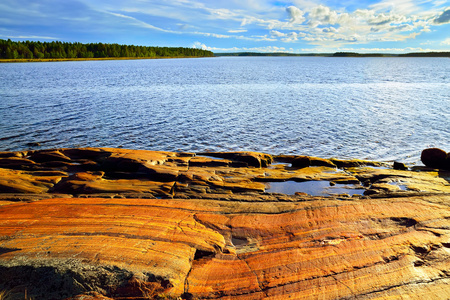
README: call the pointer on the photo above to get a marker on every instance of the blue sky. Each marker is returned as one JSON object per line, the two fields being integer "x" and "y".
{"x": 298, "y": 26}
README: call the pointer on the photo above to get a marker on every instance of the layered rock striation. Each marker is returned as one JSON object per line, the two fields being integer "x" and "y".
{"x": 100, "y": 223}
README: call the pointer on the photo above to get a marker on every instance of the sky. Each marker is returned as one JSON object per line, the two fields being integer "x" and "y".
{"x": 296, "y": 26}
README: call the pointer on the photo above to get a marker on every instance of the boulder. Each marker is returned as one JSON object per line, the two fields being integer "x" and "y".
{"x": 435, "y": 158}
{"x": 399, "y": 166}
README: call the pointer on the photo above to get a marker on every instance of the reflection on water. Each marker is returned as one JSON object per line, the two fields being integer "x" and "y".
{"x": 314, "y": 188}
{"x": 366, "y": 108}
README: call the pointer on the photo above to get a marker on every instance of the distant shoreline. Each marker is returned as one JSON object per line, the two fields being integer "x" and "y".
{"x": 23, "y": 60}
{"x": 339, "y": 54}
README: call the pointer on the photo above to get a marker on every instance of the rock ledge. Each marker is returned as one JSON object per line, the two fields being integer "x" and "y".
{"x": 102, "y": 223}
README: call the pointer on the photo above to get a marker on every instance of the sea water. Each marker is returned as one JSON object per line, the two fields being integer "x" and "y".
{"x": 368, "y": 108}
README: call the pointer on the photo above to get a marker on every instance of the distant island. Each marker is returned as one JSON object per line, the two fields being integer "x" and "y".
{"x": 31, "y": 50}
{"x": 339, "y": 54}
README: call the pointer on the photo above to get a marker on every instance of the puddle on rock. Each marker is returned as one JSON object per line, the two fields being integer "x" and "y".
{"x": 403, "y": 187}
{"x": 275, "y": 164}
{"x": 377, "y": 167}
{"x": 314, "y": 188}
{"x": 237, "y": 242}
{"x": 212, "y": 157}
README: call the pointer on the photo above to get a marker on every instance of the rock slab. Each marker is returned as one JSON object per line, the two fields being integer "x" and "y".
{"x": 132, "y": 224}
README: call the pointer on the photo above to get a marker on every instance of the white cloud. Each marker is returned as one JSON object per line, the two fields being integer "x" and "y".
{"x": 446, "y": 42}
{"x": 289, "y": 21}
{"x": 275, "y": 33}
{"x": 322, "y": 15}
{"x": 199, "y": 45}
{"x": 266, "y": 49}
{"x": 237, "y": 30}
{"x": 140, "y": 23}
{"x": 29, "y": 37}
{"x": 401, "y": 6}
{"x": 295, "y": 14}
{"x": 317, "y": 24}
{"x": 365, "y": 50}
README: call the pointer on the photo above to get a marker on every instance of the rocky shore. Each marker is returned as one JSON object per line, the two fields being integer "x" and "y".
{"x": 103, "y": 223}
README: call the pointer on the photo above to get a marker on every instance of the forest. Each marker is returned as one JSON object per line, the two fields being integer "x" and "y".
{"x": 63, "y": 50}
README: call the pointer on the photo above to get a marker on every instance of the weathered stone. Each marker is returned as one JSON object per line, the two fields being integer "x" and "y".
{"x": 301, "y": 162}
{"x": 16, "y": 181}
{"x": 399, "y": 166}
{"x": 86, "y": 153}
{"x": 49, "y": 156}
{"x": 16, "y": 163}
{"x": 434, "y": 182}
{"x": 89, "y": 296}
{"x": 221, "y": 236}
{"x": 215, "y": 249}
{"x": 136, "y": 288}
{"x": 352, "y": 163}
{"x": 252, "y": 159}
{"x": 125, "y": 237}
{"x": 311, "y": 161}
{"x": 378, "y": 188}
{"x": 435, "y": 158}
{"x": 200, "y": 161}
{"x": 283, "y": 173}
{"x": 93, "y": 183}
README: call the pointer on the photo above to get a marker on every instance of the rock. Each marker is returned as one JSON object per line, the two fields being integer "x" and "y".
{"x": 306, "y": 161}
{"x": 89, "y": 296}
{"x": 399, "y": 166}
{"x": 200, "y": 161}
{"x": 86, "y": 153}
{"x": 136, "y": 288}
{"x": 33, "y": 144}
{"x": 215, "y": 249}
{"x": 15, "y": 181}
{"x": 382, "y": 187}
{"x": 301, "y": 162}
{"x": 16, "y": 163}
{"x": 431, "y": 182}
{"x": 435, "y": 158}
{"x": 352, "y": 163}
{"x": 94, "y": 183}
{"x": 49, "y": 156}
{"x": 252, "y": 159}
{"x": 104, "y": 223}
{"x": 110, "y": 233}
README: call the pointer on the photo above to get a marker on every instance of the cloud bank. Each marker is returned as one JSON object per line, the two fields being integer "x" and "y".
{"x": 245, "y": 24}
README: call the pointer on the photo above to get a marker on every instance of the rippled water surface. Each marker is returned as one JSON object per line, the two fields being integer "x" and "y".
{"x": 368, "y": 108}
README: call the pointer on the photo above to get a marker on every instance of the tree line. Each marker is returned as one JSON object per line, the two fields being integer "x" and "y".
{"x": 49, "y": 50}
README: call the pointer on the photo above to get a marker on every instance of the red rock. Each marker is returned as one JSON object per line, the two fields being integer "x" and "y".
{"x": 323, "y": 248}
{"x": 15, "y": 181}
{"x": 229, "y": 241}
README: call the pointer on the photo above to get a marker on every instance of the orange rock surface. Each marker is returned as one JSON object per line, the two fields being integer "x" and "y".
{"x": 210, "y": 231}
{"x": 214, "y": 249}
